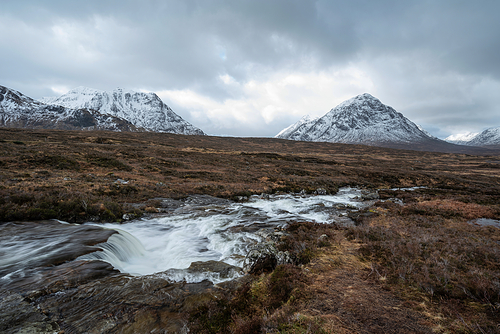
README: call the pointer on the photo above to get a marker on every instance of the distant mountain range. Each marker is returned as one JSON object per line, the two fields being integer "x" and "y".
{"x": 89, "y": 109}
{"x": 488, "y": 137}
{"x": 365, "y": 120}
{"x": 360, "y": 120}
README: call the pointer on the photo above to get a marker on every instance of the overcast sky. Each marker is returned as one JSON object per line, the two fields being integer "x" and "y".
{"x": 251, "y": 68}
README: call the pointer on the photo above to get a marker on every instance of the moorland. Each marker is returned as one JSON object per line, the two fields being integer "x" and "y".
{"x": 416, "y": 261}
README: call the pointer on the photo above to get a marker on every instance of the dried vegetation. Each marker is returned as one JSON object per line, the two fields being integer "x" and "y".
{"x": 412, "y": 263}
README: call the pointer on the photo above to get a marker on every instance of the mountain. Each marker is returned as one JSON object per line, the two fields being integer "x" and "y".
{"x": 488, "y": 137}
{"x": 20, "y": 111}
{"x": 292, "y": 128}
{"x": 144, "y": 110}
{"x": 462, "y": 138}
{"x": 360, "y": 120}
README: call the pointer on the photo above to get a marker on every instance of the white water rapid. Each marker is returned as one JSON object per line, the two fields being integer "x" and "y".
{"x": 212, "y": 232}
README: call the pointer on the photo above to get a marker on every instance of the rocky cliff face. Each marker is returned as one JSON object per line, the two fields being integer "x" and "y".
{"x": 360, "y": 120}
{"x": 144, "y": 110}
{"x": 20, "y": 111}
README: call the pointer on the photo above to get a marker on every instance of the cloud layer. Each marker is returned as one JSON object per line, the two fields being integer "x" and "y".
{"x": 251, "y": 68}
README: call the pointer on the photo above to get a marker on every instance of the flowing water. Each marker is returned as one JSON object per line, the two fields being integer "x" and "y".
{"x": 201, "y": 229}
{"x": 214, "y": 232}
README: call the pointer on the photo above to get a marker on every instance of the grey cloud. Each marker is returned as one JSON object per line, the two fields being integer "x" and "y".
{"x": 412, "y": 48}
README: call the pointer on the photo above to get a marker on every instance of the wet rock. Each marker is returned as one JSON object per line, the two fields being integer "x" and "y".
{"x": 46, "y": 280}
{"x": 213, "y": 266}
{"x": 342, "y": 206}
{"x": 215, "y": 271}
{"x": 264, "y": 257}
{"x": 124, "y": 304}
{"x": 128, "y": 216}
{"x": 29, "y": 245}
{"x": 205, "y": 200}
{"x": 369, "y": 195}
{"x": 320, "y": 191}
{"x": 19, "y": 316}
{"x": 252, "y": 228}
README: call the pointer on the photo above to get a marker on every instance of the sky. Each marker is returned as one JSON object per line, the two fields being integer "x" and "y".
{"x": 253, "y": 67}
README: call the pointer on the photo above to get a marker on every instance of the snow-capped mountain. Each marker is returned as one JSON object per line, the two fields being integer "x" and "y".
{"x": 461, "y": 138}
{"x": 20, "y": 111}
{"x": 486, "y": 138}
{"x": 144, "y": 110}
{"x": 359, "y": 120}
{"x": 292, "y": 128}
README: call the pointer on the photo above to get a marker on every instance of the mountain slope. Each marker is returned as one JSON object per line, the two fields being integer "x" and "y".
{"x": 489, "y": 137}
{"x": 144, "y": 110}
{"x": 360, "y": 120}
{"x": 20, "y": 111}
{"x": 462, "y": 138}
{"x": 292, "y": 128}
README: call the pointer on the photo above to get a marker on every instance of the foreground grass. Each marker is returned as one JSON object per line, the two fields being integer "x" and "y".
{"x": 430, "y": 253}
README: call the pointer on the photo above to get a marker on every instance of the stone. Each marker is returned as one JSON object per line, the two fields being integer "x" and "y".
{"x": 264, "y": 257}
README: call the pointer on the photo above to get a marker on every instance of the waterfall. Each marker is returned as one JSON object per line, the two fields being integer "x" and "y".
{"x": 120, "y": 248}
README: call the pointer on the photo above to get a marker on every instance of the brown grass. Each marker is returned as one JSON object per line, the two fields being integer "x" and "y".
{"x": 428, "y": 253}
{"x": 414, "y": 268}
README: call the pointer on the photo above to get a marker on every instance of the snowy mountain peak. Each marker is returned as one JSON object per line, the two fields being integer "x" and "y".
{"x": 362, "y": 119}
{"x": 144, "y": 110}
{"x": 20, "y": 111}
{"x": 461, "y": 138}
{"x": 488, "y": 137}
{"x": 84, "y": 91}
{"x": 361, "y": 101}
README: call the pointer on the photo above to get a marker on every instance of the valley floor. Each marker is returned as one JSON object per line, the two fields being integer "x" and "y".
{"x": 414, "y": 262}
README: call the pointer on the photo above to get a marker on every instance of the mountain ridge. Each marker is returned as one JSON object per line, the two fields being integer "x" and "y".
{"x": 144, "y": 110}
{"x": 488, "y": 137}
{"x": 20, "y": 111}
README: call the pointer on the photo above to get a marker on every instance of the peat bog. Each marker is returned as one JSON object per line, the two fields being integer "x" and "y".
{"x": 414, "y": 262}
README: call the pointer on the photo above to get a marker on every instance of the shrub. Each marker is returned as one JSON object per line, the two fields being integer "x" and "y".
{"x": 304, "y": 239}
{"x": 440, "y": 257}
{"x": 108, "y": 162}
{"x": 284, "y": 281}
{"x": 54, "y": 161}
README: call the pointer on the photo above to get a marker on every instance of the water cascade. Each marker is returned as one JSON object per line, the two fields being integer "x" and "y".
{"x": 201, "y": 232}
{"x": 201, "y": 237}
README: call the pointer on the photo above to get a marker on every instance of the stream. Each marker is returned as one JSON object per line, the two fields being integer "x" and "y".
{"x": 201, "y": 228}
{"x": 139, "y": 276}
